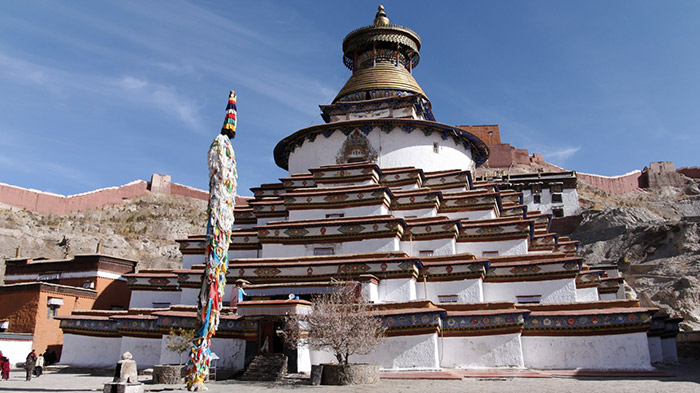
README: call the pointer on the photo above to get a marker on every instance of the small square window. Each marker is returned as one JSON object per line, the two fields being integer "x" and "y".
{"x": 53, "y": 312}
{"x": 556, "y": 198}
{"x": 556, "y": 187}
{"x": 425, "y": 253}
{"x": 536, "y": 188}
{"x": 324, "y": 251}
{"x": 559, "y": 212}
{"x": 537, "y": 198}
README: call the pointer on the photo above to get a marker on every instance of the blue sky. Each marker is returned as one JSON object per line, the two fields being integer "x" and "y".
{"x": 97, "y": 94}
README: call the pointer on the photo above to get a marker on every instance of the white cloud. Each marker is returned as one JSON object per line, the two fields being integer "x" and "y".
{"x": 559, "y": 153}
{"x": 163, "y": 97}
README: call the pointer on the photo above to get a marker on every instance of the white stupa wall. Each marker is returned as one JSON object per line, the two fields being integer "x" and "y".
{"x": 552, "y": 291}
{"x": 608, "y": 296}
{"x": 397, "y": 290}
{"x": 404, "y": 352}
{"x": 79, "y": 350}
{"x": 500, "y": 350}
{"x": 503, "y": 247}
{"x": 147, "y": 299}
{"x": 445, "y": 246}
{"x": 231, "y": 353}
{"x": 360, "y": 211}
{"x": 473, "y": 215}
{"x": 193, "y": 259}
{"x": 396, "y": 149}
{"x": 146, "y": 351}
{"x": 277, "y": 250}
{"x": 395, "y": 353}
{"x": 467, "y": 291}
{"x": 587, "y": 294}
{"x": 415, "y": 213}
{"x": 669, "y": 349}
{"x": 267, "y": 220}
{"x": 190, "y": 295}
{"x": 655, "y": 350}
{"x": 370, "y": 292}
{"x": 303, "y": 359}
{"x": 614, "y": 351}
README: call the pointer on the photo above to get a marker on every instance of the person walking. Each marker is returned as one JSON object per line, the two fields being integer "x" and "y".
{"x": 29, "y": 364}
{"x": 39, "y": 368}
{"x": 4, "y": 367}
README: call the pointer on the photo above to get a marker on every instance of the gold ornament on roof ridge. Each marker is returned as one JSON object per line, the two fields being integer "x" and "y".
{"x": 380, "y": 19}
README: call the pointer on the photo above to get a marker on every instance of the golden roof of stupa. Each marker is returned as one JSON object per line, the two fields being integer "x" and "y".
{"x": 383, "y": 76}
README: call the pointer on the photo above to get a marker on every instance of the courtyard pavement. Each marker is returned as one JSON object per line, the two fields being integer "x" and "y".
{"x": 684, "y": 377}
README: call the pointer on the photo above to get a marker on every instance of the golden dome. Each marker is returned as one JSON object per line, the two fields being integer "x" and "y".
{"x": 380, "y": 19}
{"x": 383, "y": 76}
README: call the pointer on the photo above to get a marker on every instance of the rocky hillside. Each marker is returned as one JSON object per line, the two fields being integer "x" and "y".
{"x": 142, "y": 229}
{"x": 654, "y": 237}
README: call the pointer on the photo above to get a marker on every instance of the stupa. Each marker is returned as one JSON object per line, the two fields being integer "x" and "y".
{"x": 464, "y": 273}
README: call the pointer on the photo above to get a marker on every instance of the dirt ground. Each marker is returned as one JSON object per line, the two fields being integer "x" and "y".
{"x": 686, "y": 379}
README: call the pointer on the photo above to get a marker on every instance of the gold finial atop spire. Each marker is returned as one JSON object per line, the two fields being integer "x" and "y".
{"x": 380, "y": 19}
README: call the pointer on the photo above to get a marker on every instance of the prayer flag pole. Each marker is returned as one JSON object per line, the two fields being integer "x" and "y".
{"x": 222, "y": 189}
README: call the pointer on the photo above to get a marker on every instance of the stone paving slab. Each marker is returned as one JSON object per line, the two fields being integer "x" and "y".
{"x": 446, "y": 374}
{"x": 683, "y": 378}
{"x": 503, "y": 373}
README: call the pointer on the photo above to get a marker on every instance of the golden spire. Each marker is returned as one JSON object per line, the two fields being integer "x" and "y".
{"x": 380, "y": 19}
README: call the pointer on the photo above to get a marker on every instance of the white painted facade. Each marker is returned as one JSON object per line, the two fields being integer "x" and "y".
{"x": 91, "y": 351}
{"x": 446, "y": 246}
{"x": 472, "y": 215}
{"x": 552, "y": 291}
{"x": 415, "y": 213}
{"x": 398, "y": 149}
{"x": 503, "y": 247}
{"x": 499, "y": 350}
{"x": 359, "y": 211}
{"x": 655, "y": 350}
{"x": 467, "y": 290}
{"x": 569, "y": 201}
{"x": 146, "y": 351}
{"x": 231, "y": 353}
{"x": 397, "y": 290}
{"x": 587, "y": 294}
{"x": 604, "y": 352}
{"x": 150, "y": 299}
{"x": 16, "y": 349}
{"x": 669, "y": 349}
{"x": 608, "y": 296}
{"x": 277, "y": 250}
{"x": 189, "y": 259}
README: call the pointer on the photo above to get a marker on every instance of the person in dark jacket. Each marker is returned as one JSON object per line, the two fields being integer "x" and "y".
{"x": 29, "y": 364}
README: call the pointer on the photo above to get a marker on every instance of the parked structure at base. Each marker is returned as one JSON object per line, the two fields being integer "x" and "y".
{"x": 463, "y": 273}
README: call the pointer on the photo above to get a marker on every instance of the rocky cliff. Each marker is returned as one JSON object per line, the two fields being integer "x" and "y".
{"x": 653, "y": 235}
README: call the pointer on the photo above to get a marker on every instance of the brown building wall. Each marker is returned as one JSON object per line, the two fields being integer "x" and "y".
{"x": 111, "y": 294}
{"x": 47, "y": 333}
{"x": 20, "y": 309}
{"x": 490, "y": 134}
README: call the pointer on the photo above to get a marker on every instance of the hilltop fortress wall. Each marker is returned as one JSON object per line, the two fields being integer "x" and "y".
{"x": 48, "y": 203}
